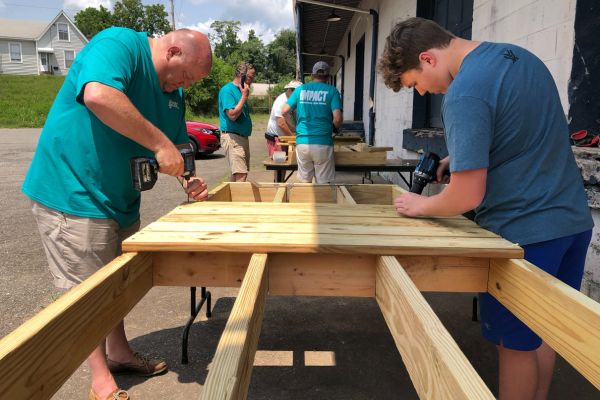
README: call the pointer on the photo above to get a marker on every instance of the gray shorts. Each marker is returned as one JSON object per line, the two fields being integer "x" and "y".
{"x": 76, "y": 247}
{"x": 315, "y": 161}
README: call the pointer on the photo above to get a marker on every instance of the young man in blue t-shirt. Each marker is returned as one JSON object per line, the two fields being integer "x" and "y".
{"x": 122, "y": 98}
{"x": 318, "y": 109}
{"x": 510, "y": 159}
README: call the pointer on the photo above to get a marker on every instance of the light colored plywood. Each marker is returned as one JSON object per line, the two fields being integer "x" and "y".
{"x": 563, "y": 317}
{"x": 447, "y": 274}
{"x": 321, "y": 275}
{"x": 231, "y": 368}
{"x": 437, "y": 367}
{"x": 39, "y": 356}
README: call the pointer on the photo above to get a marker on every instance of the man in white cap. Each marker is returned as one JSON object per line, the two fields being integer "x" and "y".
{"x": 278, "y": 124}
{"x": 318, "y": 109}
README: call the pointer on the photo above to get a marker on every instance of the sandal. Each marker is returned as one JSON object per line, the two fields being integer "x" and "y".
{"x": 583, "y": 138}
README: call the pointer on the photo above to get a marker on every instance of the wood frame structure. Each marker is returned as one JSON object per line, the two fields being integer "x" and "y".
{"x": 167, "y": 253}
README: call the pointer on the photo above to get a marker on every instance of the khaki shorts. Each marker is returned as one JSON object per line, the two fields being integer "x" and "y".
{"x": 76, "y": 247}
{"x": 237, "y": 150}
{"x": 315, "y": 160}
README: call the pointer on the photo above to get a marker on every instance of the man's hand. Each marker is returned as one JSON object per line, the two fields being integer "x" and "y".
{"x": 245, "y": 91}
{"x": 196, "y": 188}
{"x": 409, "y": 204}
{"x": 443, "y": 167}
{"x": 169, "y": 159}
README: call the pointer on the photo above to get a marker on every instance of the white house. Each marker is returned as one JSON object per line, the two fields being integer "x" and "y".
{"x": 35, "y": 47}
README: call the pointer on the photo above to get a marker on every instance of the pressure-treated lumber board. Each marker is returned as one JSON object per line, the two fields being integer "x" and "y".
{"x": 321, "y": 275}
{"x": 221, "y": 269}
{"x": 563, "y": 317}
{"x": 364, "y": 194}
{"x": 244, "y": 191}
{"x": 435, "y": 363}
{"x": 221, "y": 192}
{"x": 318, "y": 274}
{"x": 231, "y": 368}
{"x": 280, "y": 195}
{"x": 40, "y": 355}
{"x": 343, "y": 196}
{"x": 298, "y": 193}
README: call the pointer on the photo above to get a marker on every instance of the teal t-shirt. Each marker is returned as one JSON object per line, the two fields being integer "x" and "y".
{"x": 503, "y": 112}
{"x": 314, "y": 103}
{"x": 81, "y": 166}
{"x": 229, "y": 97}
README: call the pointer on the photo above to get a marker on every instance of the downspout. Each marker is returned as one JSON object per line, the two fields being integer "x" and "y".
{"x": 372, "y": 80}
{"x": 343, "y": 73}
{"x": 300, "y": 74}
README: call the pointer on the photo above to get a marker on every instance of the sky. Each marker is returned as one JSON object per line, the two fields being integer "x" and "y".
{"x": 266, "y": 17}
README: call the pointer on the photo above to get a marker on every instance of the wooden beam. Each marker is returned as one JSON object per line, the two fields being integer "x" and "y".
{"x": 437, "y": 367}
{"x": 447, "y": 274}
{"x": 321, "y": 275}
{"x": 371, "y": 194}
{"x": 309, "y": 193}
{"x": 563, "y": 317}
{"x": 244, "y": 191}
{"x": 40, "y": 355}
{"x": 280, "y": 196}
{"x": 343, "y": 196}
{"x": 220, "y": 193}
{"x": 231, "y": 368}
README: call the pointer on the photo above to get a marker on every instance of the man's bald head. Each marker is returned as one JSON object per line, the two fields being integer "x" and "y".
{"x": 181, "y": 57}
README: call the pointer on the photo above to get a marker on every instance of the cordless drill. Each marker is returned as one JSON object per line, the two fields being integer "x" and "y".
{"x": 144, "y": 170}
{"x": 425, "y": 171}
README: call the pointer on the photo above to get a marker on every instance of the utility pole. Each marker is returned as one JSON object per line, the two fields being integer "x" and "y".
{"x": 172, "y": 15}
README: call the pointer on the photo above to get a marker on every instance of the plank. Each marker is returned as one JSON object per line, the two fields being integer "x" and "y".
{"x": 231, "y": 368}
{"x": 244, "y": 192}
{"x": 563, "y": 317}
{"x": 321, "y": 275}
{"x": 447, "y": 274}
{"x": 318, "y": 228}
{"x": 366, "y": 195}
{"x": 280, "y": 195}
{"x": 343, "y": 196}
{"x": 220, "y": 193}
{"x": 435, "y": 363}
{"x": 312, "y": 194}
{"x": 320, "y": 243}
{"x": 40, "y": 355}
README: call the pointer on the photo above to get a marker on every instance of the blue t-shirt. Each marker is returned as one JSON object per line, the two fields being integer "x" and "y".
{"x": 502, "y": 112}
{"x": 229, "y": 97}
{"x": 81, "y": 166}
{"x": 314, "y": 103}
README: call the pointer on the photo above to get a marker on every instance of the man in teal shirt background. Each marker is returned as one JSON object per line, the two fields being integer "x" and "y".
{"x": 122, "y": 98}
{"x": 235, "y": 122}
{"x": 318, "y": 109}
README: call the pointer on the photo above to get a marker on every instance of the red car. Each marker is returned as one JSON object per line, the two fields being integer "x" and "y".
{"x": 205, "y": 138}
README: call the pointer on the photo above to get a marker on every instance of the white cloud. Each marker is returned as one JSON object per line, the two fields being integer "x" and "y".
{"x": 203, "y": 27}
{"x": 82, "y": 4}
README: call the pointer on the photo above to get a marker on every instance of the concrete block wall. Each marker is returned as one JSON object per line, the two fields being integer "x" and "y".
{"x": 544, "y": 27}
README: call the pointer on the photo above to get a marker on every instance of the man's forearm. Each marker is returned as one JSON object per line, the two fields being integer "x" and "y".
{"x": 115, "y": 110}
{"x": 235, "y": 113}
{"x": 284, "y": 126}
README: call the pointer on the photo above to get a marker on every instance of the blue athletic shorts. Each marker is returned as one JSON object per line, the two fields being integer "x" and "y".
{"x": 563, "y": 258}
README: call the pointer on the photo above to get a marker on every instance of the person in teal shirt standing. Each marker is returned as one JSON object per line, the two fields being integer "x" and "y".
{"x": 235, "y": 122}
{"x": 122, "y": 98}
{"x": 318, "y": 109}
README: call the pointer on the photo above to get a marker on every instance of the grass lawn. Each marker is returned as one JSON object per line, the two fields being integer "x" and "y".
{"x": 26, "y": 100}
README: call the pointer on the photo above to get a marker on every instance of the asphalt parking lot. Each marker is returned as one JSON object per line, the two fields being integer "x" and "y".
{"x": 367, "y": 364}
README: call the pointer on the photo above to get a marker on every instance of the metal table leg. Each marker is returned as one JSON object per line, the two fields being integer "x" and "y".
{"x": 194, "y": 311}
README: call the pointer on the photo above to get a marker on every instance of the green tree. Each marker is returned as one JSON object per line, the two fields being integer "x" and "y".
{"x": 129, "y": 14}
{"x": 281, "y": 56}
{"x": 202, "y": 96}
{"x": 156, "y": 20}
{"x": 92, "y": 20}
{"x": 225, "y": 39}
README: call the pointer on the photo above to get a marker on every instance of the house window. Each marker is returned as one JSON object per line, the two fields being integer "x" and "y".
{"x": 69, "y": 57}
{"x": 63, "y": 31}
{"x": 15, "y": 52}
